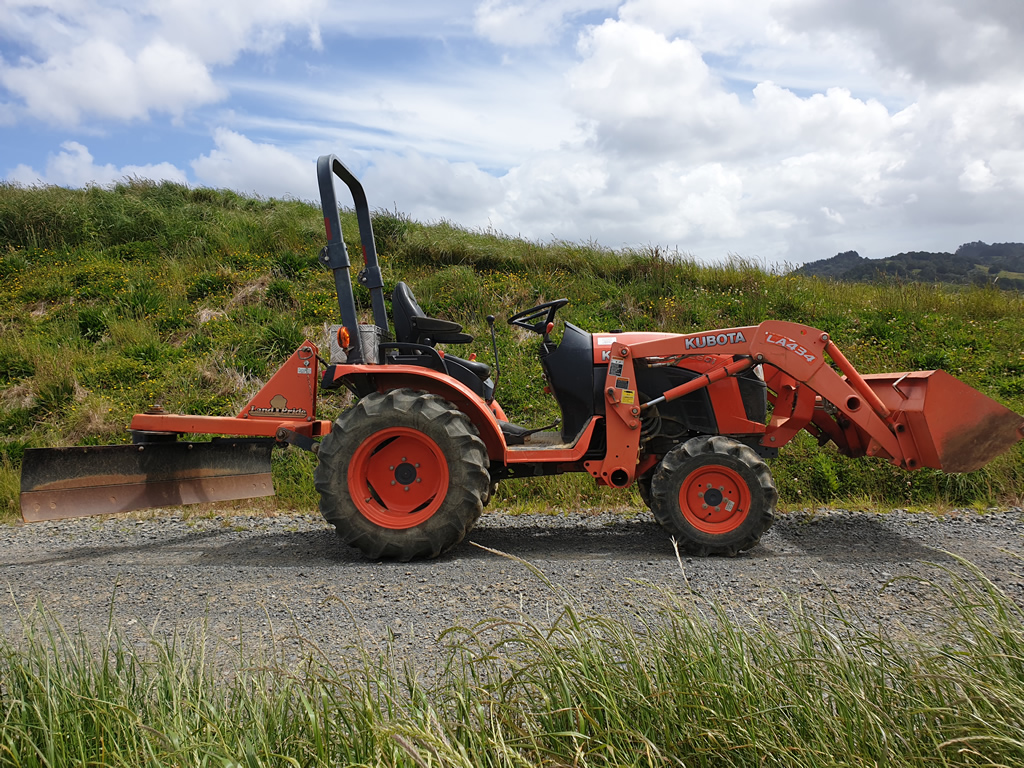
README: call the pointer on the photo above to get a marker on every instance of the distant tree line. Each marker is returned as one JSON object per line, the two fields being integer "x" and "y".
{"x": 999, "y": 264}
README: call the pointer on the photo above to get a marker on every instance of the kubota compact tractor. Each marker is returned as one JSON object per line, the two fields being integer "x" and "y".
{"x": 407, "y": 470}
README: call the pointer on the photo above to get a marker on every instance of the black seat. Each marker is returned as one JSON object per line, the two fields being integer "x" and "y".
{"x": 413, "y": 326}
{"x": 481, "y": 370}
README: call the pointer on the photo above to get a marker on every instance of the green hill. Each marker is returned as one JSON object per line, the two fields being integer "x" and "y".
{"x": 113, "y": 299}
{"x": 998, "y": 264}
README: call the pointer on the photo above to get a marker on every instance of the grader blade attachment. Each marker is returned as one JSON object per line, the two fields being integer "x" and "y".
{"x": 59, "y": 483}
{"x": 943, "y": 423}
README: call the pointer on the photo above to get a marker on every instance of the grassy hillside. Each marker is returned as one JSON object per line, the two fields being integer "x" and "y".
{"x": 113, "y": 299}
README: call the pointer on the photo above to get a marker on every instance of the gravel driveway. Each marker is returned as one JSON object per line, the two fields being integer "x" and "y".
{"x": 251, "y": 579}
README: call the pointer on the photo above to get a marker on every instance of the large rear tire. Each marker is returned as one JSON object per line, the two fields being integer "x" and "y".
{"x": 402, "y": 475}
{"x": 714, "y": 495}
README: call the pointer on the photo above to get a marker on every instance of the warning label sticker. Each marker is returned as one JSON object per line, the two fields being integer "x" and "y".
{"x": 629, "y": 397}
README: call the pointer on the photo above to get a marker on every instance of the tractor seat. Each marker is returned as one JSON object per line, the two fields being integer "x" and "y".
{"x": 414, "y": 326}
{"x": 481, "y": 370}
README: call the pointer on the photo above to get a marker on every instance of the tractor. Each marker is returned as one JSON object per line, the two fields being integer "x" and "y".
{"x": 406, "y": 471}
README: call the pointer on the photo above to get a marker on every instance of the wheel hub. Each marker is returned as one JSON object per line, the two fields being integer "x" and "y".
{"x": 398, "y": 477}
{"x": 714, "y": 498}
{"x": 405, "y": 473}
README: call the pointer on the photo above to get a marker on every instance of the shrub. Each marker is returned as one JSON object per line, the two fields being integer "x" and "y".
{"x": 209, "y": 284}
{"x": 14, "y": 365}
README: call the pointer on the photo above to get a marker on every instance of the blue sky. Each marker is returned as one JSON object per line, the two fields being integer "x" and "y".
{"x": 781, "y": 131}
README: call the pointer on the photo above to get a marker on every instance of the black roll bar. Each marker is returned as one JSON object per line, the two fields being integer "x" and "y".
{"x": 335, "y": 253}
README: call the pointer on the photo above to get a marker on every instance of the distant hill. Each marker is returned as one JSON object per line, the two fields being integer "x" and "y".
{"x": 1001, "y": 264}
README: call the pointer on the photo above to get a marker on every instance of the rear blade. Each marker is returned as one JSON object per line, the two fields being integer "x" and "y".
{"x": 95, "y": 480}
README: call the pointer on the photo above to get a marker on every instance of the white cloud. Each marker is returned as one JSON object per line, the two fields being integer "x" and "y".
{"x": 937, "y": 42}
{"x": 688, "y": 159}
{"x": 75, "y": 166}
{"x": 218, "y": 31}
{"x": 316, "y": 40}
{"x": 402, "y": 19}
{"x": 115, "y": 60}
{"x": 244, "y": 165}
{"x": 99, "y": 79}
{"x": 530, "y": 22}
{"x": 431, "y": 188}
{"x": 644, "y": 93}
{"x": 719, "y": 27}
{"x": 749, "y": 42}
{"x": 977, "y": 177}
{"x": 685, "y": 155}
{"x": 548, "y": 194}
{"x": 493, "y": 117}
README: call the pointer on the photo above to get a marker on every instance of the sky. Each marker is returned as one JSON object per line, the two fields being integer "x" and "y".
{"x": 779, "y": 131}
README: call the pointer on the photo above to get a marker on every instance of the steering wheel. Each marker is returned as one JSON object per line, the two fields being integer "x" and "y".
{"x": 530, "y": 319}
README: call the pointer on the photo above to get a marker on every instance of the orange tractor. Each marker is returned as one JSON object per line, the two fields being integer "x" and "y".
{"x": 406, "y": 471}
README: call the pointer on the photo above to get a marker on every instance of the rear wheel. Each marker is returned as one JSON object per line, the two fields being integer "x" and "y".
{"x": 714, "y": 495}
{"x": 402, "y": 475}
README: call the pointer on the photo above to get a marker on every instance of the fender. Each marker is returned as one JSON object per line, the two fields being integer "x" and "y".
{"x": 381, "y": 378}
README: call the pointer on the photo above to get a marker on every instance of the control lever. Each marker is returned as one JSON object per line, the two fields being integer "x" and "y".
{"x": 494, "y": 346}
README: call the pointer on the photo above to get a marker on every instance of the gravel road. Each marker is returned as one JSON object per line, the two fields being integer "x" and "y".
{"x": 251, "y": 579}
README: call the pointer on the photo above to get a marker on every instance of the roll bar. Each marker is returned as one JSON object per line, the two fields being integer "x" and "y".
{"x": 335, "y": 254}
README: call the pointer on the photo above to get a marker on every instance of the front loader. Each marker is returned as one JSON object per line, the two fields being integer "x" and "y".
{"x": 406, "y": 472}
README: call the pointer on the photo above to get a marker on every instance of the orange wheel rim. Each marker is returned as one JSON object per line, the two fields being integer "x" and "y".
{"x": 398, "y": 478}
{"x": 714, "y": 499}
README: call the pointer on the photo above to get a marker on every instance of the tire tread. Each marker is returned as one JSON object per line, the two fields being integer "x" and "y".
{"x": 468, "y": 466}
{"x": 665, "y": 497}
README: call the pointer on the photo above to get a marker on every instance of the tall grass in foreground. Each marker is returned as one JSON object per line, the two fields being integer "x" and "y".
{"x": 692, "y": 688}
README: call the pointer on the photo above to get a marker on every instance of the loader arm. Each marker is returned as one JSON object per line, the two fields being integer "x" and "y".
{"x": 917, "y": 419}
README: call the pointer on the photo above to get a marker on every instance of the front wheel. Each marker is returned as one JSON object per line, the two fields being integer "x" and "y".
{"x": 402, "y": 475}
{"x": 715, "y": 495}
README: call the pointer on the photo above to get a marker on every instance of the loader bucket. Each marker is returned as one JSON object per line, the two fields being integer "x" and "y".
{"x": 951, "y": 426}
{"x": 75, "y": 482}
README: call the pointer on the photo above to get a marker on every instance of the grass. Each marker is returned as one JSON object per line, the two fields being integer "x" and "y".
{"x": 112, "y": 299}
{"x": 691, "y": 687}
